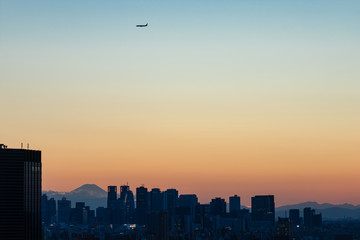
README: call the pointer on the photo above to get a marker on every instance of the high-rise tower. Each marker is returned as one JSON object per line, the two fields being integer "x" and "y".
{"x": 235, "y": 206}
{"x": 64, "y": 207}
{"x": 263, "y": 208}
{"x": 20, "y": 191}
{"x": 127, "y": 200}
{"x": 114, "y": 205}
{"x": 142, "y": 203}
{"x": 170, "y": 201}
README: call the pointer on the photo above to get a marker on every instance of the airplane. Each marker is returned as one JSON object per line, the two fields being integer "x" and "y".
{"x": 142, "y": 25}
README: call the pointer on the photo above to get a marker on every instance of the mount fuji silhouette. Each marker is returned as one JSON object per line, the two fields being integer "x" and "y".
{"x": 91, "y": 194}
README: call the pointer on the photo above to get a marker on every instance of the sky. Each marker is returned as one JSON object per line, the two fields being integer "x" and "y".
{"x": 214, "y": 97}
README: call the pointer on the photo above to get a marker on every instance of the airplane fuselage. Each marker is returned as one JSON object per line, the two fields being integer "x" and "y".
{"x": 142, "y": 25}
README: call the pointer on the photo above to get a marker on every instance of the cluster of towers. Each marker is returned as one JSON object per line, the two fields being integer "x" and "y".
{"x": 122, "y": 209}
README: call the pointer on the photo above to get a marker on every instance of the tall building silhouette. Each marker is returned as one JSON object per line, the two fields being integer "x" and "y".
{"x": 79, "y": 214}
{"x": 170, "y": 201}
{"x": 263, "y": 208}
{"x": 308, "y": 217}
{"x": 142, "y": 203}
{"x": 45, "y": 218}
{"x": 156, "y": 200}
{"x": 283, "y": 229}
{"x": 48, "y": 210}
{"x": 234, "y": 203}
{"x": 114, "y": 205}
{"x": 190, "y": 201}
{"x": 294, "y": 215}
{"x": 64, "y": 207}
{"x": 112, "y": 194}
{"x": 20, "y": 194}
{"x": 218, "y": 207}
{"x": 163, "y": 226}
{"x": 317, "y": 220}
{"x": 103, "y": 215}
{"x": 311, "y": 219}
{"x": 127, "y": 199}
{"x": 170, "y": 197}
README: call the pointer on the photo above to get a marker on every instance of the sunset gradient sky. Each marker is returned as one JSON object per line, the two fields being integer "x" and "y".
{"x": 214, "y": 97}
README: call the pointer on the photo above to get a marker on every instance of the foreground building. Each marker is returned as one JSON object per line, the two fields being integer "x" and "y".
{"x": 20, "y": 191}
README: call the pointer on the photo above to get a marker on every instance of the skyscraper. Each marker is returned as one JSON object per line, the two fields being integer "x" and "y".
{"x": 283, "y": 229}
{"x": 112, "y": 194}
{"x": 44, "y": 210}
{"x": 163, "y": 226}
{"x": 103, "y": 215}
{"x": 124, "y": 189}
{"x": 234, "y": 202}
{"x": 64, "y": 207}
{"x": 114, "y": 205}
{"x": 156, "y": 200}
{"x": 20, "y": 191}
{"x": 308, "y": 217}
{"x": 190, "y": 201}
{"x": 294, "y": 215}
{"x": 79, "y": 214}
{"x": 52, "y": 210}
{"x": 317, "y": 220}
{"x": 311, "y": 219}
{"x": 263, "y": 208}
{"x": 170, "y": 201}
{"x": 142, "y": 203}
{"x": 127, "y": 199}
{"x": 218, "y": 207}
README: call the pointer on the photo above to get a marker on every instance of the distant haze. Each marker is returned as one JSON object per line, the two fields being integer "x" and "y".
{"x": 214, "y": 97}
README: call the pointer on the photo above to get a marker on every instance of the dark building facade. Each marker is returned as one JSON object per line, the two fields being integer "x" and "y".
{"x": 283, "y": 229}
{"x": 263, "y": 208}
{"x": 294, "y": 215}
{"x": 163, "y": 228}
{"x": 311, "y": 219}
{"x": 112, "y": 193}
{"x": 308, "y": 217}
{"x": 48, "y": 210}
{"x": 234, "y": 204}
{"x": 218, "y": 207}
{"x": 114, "y": 205}
{"x": 190, "y": 201}
{"x": 156, "y": 200}
{"x": 170, "y": 201}
{"x": 20, "y": 191}
{"x": 81, "y": 214}
{"x": 64, "y": 207}
{"x": 142, "y": 203}
{"x": 127, "y": 200}
{"x": 103, "y": 215}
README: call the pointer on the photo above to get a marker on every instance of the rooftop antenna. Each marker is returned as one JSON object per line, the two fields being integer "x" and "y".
{"x": 21, "y": 145}
{"x": 28, "y": 146}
